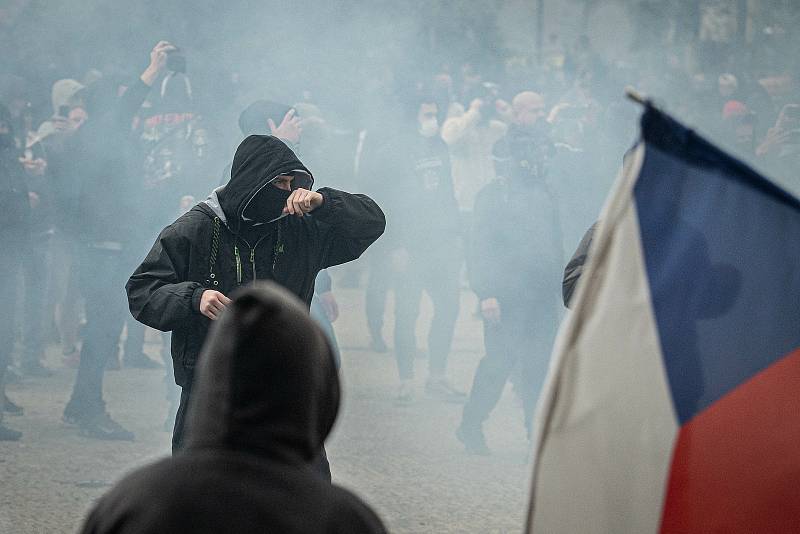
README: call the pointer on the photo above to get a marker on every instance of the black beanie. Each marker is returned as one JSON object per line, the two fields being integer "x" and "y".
{"x": 253, "y": 120}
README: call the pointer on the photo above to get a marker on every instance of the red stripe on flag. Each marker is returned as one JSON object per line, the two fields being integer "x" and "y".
{"x": 736, "y": 465}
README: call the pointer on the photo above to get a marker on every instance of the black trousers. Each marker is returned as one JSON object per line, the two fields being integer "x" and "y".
{"x": 517, "y": 348}
{"x": 439, "y": 279}
{"x": 34, "y": 274}
{"x": 102, "y": 274}
{"x": 11, "y": 260}
{"x": 378, "y": 283}
{"x": 321, "y": 465}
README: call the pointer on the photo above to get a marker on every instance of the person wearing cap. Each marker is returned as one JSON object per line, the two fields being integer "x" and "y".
{"x": 266, "y": 223}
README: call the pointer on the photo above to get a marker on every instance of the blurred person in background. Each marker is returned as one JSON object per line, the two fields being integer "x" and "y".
{"x": 425, "y": 251}
{"x": 739, "y": 128}
{"x": 780, "y": 149}
{"x": 471, "y": 135}
{"x": 266, "y": 223}
{"x": 108, "y": 210}
{"x": 266, "y": 397}
{"x": 514, "y": 262}
{"x": 15, "y": 208}
{"x": 40, "y": 147}
{"x": 58, "y": 136}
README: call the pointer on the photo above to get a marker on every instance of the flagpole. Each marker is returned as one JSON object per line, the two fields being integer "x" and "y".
{"x": 636, "y": 96}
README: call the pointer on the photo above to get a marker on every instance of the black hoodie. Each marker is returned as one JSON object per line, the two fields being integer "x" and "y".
{"x": 164, "y": 292}
{"x": 266, "y": 396}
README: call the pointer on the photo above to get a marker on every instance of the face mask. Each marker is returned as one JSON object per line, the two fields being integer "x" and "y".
{"x": 267, "y": 205}
{"x": 429, "y": 127}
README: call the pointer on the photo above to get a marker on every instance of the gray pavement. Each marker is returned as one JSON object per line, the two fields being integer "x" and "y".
{"x": 403, "y": 460}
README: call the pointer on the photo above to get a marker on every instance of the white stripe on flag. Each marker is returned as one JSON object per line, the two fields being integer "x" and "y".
{"x": 606, "y": 426}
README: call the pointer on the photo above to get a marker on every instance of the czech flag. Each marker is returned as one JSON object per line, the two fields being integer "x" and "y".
{"x": 673, "y": 398}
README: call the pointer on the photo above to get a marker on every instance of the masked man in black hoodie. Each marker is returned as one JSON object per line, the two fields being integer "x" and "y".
{"x": 265, "y": 224}
{"x": 266, "y": 396}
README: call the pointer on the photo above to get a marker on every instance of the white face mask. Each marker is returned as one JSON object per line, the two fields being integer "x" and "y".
{"x": 429, "y": 127}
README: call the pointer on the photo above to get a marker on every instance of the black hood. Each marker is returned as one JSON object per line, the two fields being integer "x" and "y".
{"x": 266, "y": 382}
{"x": 257, "y": 162}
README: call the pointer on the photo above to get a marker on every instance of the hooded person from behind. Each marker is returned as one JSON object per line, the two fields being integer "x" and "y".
{"x": 267, "y": 394}
{"x": 241, "y": 234}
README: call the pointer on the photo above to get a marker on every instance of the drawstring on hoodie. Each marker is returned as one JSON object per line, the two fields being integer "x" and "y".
{"x": 214, "y": 252}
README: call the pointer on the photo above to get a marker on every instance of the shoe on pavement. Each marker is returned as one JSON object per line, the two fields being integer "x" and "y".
{"x": 112, "y": 364}
{"x": 71, "y": 358}
{"x": 12, "y": 376}
{"x": 10, "y": 407}
{"x": 473, "y": 440}
{"x": 441, "y": 389}
{"x": 141, "y": 361}
{"x": 101, "y": 426}
{"x": 34, "y": 368}
{"x": 405, "y": 393}
{"x": 378, "y": 345}
{"x": 7, "y": 434}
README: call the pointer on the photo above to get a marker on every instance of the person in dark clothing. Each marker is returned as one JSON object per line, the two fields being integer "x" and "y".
{"x": 514, "y": 263}
{"x": 425, "y": 251}
{"x": 266, "y": 396}
{"x": 107, "y": 211}
{"x": 14, "y": 236}
{"x": 265, "y": 224}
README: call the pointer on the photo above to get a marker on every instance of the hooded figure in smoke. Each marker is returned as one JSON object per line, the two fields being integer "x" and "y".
{"x": 267, "y": 394}
{"x": 264, "y": 224}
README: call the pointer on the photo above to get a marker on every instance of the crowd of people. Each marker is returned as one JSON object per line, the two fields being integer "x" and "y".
{"x": 487, "y": 182}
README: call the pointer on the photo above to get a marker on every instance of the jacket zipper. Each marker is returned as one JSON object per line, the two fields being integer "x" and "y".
{"x": 238, "y": 265}
{"x": 253, "y": 256}
{"x": 252, "y": 259}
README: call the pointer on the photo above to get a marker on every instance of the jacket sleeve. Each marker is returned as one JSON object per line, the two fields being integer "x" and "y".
{"x": 158, "y": 293}
{"x": 354, "y": 222}
{"x": 131, "y": 100}
{"x": 454, "y": 128}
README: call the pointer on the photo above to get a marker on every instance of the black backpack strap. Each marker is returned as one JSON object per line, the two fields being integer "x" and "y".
{"x": 212, "y": 281}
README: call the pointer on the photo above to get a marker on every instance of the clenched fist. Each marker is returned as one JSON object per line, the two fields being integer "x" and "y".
{"x": 303, "y": 201}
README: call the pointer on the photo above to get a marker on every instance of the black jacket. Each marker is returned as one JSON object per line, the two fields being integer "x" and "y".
{"x": 266, "y": 396}
{"x": 514, "y": 250}
{"x": 109, "y": 194}
{"x": 164, "y": 292}
{"x": 15, "y": 211}
{"x": 411, "y": 177}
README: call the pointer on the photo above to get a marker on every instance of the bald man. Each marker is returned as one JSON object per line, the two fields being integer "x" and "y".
{"x": 515, "y": 264}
